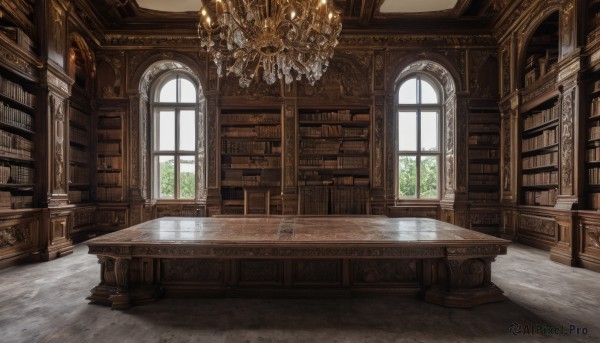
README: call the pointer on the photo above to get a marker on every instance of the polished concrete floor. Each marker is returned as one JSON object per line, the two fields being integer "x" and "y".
{"x": 45, "y": 302}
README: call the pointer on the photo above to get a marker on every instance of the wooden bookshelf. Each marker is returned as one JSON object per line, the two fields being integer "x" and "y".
{"x": 484, "y": 154}
{"x": 17, "y": 166}
{"x": 592, "y": 145}
{"x": 80, "y": 139}
{"x": 542, "y": 51}
{"x": 109, "y": 157}
{"x": 539, "y": 154}
{"x": 333, "y": 161}
{"x": 16, "y": 23}
{"x": 250, "y": 159}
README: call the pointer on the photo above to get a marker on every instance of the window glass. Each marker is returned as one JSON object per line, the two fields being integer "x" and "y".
{"x": 407, "y": 177}
{"x": 168, "y": 92}
{"x": 166, "y": 177}
{"x": 407, "y": 131}
{"x": 429, "y": 131}
{"x": 428, "y": 93}
{"x": 408, "y": 92}
{"x": 187, "y": 130}
{"x": 187, "y": 177}
{"x": 188, "y": 91}
{"x": 174, "y": 139}
{"x": 166, "y": 130}
{"x": 419, "y": 138}
{"x": 429, "y": 172}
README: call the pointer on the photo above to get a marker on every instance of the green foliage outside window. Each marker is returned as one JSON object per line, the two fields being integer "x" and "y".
{"x": 167, "y": 180}
{"x": 407, "y": 177}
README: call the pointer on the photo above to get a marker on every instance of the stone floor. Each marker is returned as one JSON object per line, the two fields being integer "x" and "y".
{"x": 45, "y": 302}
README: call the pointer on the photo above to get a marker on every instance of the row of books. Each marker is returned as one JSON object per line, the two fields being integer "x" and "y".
{"x": 252, "y": 162}
{"x": 594, "y": 200}
{"x": 540, "y": 198}
{"x": 541, "y": 179}
{"x": 594, "y": 176}
{"x": 594, "y": 133}
{"x": 334, "y": 147}
{"x": 483, "y": 168}
{"x": 484, "y": 154}
{"x": 252, "y": 132}
{"x": 327, "y": 130}
{"x": 341, "y": 115}
{"x": 250, "y": 147}
{"x": 15, "y": 117}
{"x": 253, "y": 118}
{"x": 593, "y": 154}
{"x": 320, "y": 147}
{"x": 21, "y": 174}
{"x": 14, "y": 144}
{"x": 595, "y": 107}
{"x": 236, "y": 174}
{"x": 483, "y": 139}
{"x": 540, "y": 118}
{"x": 7, "y": 200}
{"x": 340, "y": 162}
{"x": 16, "y": 92}
{"x": 321, "y": 180}
{"x": 543, "y": 160}
{"x": 547, "y": 138}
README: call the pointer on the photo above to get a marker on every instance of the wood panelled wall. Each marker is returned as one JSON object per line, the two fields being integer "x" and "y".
{"x": 479, "y": 73}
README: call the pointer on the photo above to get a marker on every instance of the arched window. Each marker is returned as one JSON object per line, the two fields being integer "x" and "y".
{"x": 174, "y": 108}
{"x": 419, "y": 108}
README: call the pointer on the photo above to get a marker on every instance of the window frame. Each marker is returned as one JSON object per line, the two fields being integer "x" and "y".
{"x": 418, "y": 108}
{"x": 177, "y": 107}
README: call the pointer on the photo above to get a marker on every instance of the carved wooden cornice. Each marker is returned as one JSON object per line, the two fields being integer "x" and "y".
{"x": 19, "y": 60}
{"x": 84, "y": 19}
{"x": 519, "y": 13}
{"x": 382, "y": 40}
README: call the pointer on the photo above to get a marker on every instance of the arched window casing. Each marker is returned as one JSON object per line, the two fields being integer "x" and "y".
{"x": 174, "y": 106}
{"x": 419, "y": 138}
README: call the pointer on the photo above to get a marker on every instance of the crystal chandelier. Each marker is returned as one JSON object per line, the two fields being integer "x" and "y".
{"x": 286, "y": 38}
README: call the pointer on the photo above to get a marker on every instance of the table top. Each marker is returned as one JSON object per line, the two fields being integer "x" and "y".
{"x": 285, "y": 230}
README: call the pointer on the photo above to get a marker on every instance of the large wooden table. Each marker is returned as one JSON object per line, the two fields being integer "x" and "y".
{"x": 296, "y": 256}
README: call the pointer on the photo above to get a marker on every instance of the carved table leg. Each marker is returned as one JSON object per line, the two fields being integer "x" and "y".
{"x": 121, "y": 299}
{"x": 467, "y": 284}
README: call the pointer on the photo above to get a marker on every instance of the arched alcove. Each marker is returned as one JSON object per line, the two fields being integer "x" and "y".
{"x": 444, "y": 79}
{"x": 141, "y": 111}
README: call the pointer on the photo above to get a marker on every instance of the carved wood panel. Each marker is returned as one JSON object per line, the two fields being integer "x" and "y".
{"x": 384, "y": 271}
{"x": 566, "y": 146}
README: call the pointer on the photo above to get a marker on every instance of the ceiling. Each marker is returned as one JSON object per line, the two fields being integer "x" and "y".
{"x": 386, "y": 6}
{"x": 451, "y": 16}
